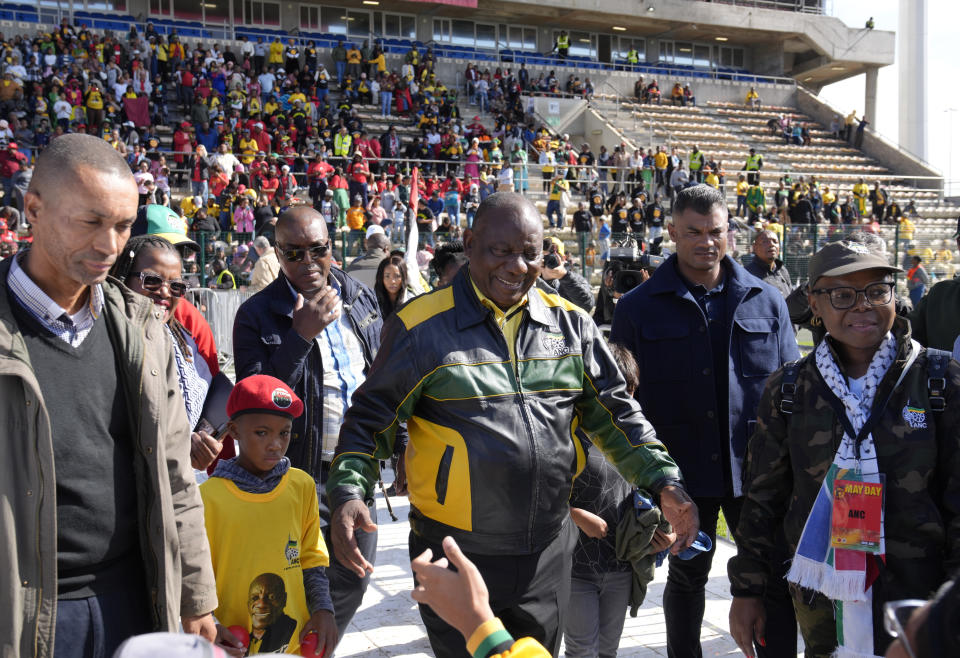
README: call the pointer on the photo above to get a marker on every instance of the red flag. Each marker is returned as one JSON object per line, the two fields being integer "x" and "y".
{"x": 413, "y": 235}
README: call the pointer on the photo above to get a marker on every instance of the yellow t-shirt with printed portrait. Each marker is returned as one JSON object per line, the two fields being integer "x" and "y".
{"x": 259, "y": 546}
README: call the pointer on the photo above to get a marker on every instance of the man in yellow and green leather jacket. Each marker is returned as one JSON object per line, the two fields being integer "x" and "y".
{"x": 492, "y": 375}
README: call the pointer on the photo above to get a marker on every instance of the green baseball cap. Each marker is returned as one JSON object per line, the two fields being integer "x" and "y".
{"x": 845, "y": 257}
{"x": 154, "y": 219}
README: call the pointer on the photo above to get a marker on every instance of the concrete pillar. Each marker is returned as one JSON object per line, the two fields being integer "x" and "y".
{"x": 870, "y": 96}
{"x": 912, "y": 56}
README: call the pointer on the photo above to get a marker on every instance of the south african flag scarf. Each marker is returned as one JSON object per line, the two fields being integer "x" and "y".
{"x": 846, "y": 577}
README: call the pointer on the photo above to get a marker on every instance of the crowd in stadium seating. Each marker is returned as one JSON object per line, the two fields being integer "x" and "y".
{"x": 252, "y": 130}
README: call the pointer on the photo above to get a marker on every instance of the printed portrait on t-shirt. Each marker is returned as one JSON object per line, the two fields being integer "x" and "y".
{"x": 272, "y": 630}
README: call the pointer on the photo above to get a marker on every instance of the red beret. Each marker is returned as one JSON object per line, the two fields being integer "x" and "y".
{"x": 263, "y": 394}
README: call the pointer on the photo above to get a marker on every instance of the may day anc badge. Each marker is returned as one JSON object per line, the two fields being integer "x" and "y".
{"x": 857, "y": 512}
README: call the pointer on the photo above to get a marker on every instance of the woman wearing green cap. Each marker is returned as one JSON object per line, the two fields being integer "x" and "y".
{"x": 855, "y": 463}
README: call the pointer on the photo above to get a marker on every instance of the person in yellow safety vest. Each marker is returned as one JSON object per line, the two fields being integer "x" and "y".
{"x": 633, "y": 57}
{"x": 861, "y": 192}
{"x": 753, "y": 166}
{"x": 563, "y": 43}
{"x": 695, "y": 163}
{"x": 342, "y": 143}
{"x": 753, "y": 99}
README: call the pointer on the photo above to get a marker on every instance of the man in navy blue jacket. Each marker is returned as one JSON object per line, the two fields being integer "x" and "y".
{"x": 318, "y": 330}
{"x": 706, "y": 334}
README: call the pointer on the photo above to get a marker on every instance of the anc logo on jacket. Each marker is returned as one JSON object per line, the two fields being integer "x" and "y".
{"x": 556, "y": 344}
{"x": 916, "y": 417}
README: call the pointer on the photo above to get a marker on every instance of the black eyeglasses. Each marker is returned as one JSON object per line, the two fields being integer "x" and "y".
{"x": 844, "y": 297}
{"x": 154, "y": 282}
{"x": 295, "y": 255}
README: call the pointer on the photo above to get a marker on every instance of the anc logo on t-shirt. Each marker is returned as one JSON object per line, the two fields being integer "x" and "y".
{"x": 292, "y": 552}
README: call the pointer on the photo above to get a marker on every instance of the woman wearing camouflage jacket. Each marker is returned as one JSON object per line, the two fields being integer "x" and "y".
{"x": 868, "y": 406}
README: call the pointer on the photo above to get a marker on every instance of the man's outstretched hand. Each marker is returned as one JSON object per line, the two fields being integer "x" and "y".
{"x": 681, "y": 512}
{"x": 353, "y": 515}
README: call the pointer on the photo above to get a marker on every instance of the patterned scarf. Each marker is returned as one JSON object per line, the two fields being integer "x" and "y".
{"x": 846, "y": 577}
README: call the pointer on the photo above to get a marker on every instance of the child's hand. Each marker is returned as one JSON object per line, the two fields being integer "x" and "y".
{"x": 321, "y": 622}
{"x": 662, "y": 540}
{"x": 591, "y": 524}
{"x": 230, "y": 642}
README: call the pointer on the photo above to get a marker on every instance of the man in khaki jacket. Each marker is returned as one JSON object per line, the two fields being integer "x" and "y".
{"x": 102, "y": 533}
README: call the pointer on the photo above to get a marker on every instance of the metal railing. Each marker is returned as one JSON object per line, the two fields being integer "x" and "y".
{"x": 901, "y": 242}
{"x": 219, "y": 308}
{"x": 800, "y": 6}
{"x": 770, "y": 176}
{"x": 210, "y": 243}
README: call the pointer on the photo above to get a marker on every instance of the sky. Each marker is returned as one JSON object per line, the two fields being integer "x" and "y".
{"x": 943, "y": 127}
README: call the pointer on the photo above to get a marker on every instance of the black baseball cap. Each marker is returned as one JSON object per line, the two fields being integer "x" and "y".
{"x": 845, "y": 257}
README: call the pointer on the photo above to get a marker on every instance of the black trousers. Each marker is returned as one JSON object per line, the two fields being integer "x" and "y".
{"x": 346, "y": 588}
{"x": 683, "y": 597}
{"x": 529, "y": 593}
{"x": 95, "y": 626}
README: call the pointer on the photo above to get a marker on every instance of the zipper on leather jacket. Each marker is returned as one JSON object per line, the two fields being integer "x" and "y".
{"x": 534, "y": 457}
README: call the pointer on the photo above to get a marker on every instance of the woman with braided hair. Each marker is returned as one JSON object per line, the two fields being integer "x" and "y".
{"x": 152, "y": 266}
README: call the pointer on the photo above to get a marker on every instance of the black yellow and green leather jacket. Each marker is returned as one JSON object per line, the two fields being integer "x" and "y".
{"x": 491, "y": 454}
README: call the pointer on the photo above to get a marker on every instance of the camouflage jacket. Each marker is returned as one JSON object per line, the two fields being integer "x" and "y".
{"x": 918, "y": 451}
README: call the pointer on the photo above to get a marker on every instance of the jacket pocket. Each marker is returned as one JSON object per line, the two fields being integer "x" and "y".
{"x": 759, "y": 343}
{"x": 443, "y": 474}
{"x": 438, "y": 473}
{"x": 665, "y": 352}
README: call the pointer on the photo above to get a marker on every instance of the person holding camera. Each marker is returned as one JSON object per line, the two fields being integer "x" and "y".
{"x": 559, "y": 279}
{"x": 706, "y": 334}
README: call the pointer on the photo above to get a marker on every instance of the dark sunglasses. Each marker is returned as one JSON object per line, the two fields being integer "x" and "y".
{"x": 154, "y": 282}
{"x": 298, "y": 254}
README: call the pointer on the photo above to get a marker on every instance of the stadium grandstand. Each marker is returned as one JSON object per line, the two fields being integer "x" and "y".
{"x": 395, "y": 116}
{"x": 548, "y": 89}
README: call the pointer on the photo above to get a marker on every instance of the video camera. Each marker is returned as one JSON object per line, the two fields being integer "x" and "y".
{"x": 635, "y": 262}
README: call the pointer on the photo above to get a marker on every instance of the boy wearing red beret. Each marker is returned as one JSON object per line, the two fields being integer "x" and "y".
{"x": 264, "y": 530}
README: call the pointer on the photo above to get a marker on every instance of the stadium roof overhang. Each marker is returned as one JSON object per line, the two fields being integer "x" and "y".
{"x": 816, "y": 50}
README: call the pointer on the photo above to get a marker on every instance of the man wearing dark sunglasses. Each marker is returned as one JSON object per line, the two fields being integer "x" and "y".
{"x": 317, "y": 329}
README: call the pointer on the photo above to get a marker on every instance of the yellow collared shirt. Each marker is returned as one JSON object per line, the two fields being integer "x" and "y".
{"x": 508, "y": 321}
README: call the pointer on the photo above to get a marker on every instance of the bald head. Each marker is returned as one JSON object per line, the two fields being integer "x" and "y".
{"x": 298, "y": 218}
{"x": 505, "y": 248}
{"x": 508, "y": 206}
{"x": 304, "y": 248}
{"x": 70, "y": 158}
